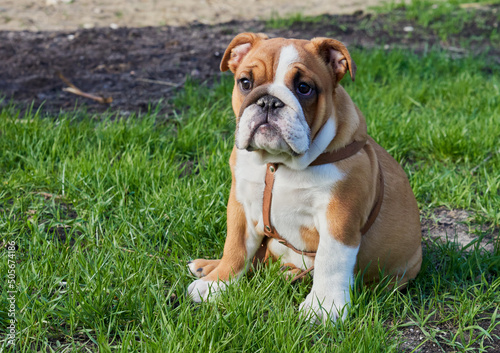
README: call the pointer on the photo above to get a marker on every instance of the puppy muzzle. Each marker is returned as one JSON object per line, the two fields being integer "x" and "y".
{"x": 267, "y": 122}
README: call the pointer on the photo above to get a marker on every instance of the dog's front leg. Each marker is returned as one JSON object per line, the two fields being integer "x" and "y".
{"x": 240, "y": 247}
{"x": 333, "y": 276}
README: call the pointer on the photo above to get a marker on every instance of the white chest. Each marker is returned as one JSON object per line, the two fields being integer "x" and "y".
{"x": 299, "y": 198}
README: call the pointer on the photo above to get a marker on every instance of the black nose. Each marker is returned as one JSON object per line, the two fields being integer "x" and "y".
{"x": 269, "y": 102}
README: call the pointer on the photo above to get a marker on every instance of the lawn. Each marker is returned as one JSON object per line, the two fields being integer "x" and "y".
{"x": 105, "y": 212}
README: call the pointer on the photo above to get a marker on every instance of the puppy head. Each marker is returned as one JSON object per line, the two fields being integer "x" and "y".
{"x": 284, "y": 89}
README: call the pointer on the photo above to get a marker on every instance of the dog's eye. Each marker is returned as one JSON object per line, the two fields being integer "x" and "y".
{"x": 245, "y": 84}
{"x": 304, "y": 89}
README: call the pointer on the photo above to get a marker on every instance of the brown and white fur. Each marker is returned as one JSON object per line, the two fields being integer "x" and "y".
{"x": 316, "y": 208}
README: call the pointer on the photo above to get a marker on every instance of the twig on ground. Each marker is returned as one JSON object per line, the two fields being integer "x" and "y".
{"x": 488, "y": 157}
{"x": 75, "y": 90}
{"x": 47, "y": 195}
{"x": 158, "y": 82}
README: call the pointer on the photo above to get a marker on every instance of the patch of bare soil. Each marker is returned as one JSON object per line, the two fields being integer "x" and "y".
{"x": 456, "y": 226}
{"x": 139, "y": 66}
{"x": 53, "y": 15}
{"x": 416, "y": 341}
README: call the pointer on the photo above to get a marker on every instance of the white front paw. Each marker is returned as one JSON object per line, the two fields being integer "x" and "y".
{"x": 320, "y": 309}
{"x": 201, "y": 290}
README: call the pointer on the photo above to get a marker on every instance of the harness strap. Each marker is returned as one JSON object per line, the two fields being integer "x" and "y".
{"x": 325, "y": 158}
{"x": 338, "y": 155}
{"x": 378, "y": 205}
{"x": 269, "y": 230}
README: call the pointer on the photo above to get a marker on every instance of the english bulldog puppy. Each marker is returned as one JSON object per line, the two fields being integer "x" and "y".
{"x": 309, "y": 186}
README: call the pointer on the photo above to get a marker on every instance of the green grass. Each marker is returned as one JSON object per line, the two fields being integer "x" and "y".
{"x": 451, "y": 19}
{"x": 101, "y": 262}
{"x": 277, "y": 21}
{"x": 446, "y": 18}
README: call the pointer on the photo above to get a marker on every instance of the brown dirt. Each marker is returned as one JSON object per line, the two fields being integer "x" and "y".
{"x": 52, "y": 15}
{"x": 456, "y": 226}
{"x": 414, "y": 340}
{"x": 139, "y": 66}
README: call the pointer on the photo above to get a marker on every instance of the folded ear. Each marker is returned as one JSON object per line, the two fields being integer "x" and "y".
{"x": 335, "y": 54}
{"x": 238, "y": 48}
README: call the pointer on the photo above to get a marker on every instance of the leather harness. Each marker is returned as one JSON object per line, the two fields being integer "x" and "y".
{"x": 325, "y": 158}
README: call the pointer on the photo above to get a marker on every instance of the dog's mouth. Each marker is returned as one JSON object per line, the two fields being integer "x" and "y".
{"x": 265, "y": 133}
{"x": 264, "y": 128}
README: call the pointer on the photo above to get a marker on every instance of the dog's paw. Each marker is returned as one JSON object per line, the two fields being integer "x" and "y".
{"x": 201, "y": 267}
{"x": 323, "y": 309}
{"x": 201, "y": 290}
{"x": 290, "y": 271}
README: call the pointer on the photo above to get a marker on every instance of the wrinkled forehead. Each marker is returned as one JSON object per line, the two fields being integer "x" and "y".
{"x": 275, "y": 56}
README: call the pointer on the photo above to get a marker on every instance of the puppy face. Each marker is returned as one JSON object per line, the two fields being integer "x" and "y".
{"x": 283, "y": 90}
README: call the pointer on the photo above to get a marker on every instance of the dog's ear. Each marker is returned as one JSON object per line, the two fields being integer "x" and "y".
{"x": 238, "y": 48}
{"x": 335, "y": 54}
